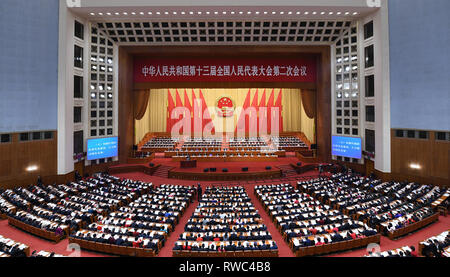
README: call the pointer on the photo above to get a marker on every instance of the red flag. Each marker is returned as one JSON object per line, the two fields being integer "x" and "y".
{"x": 242, "y": 118}
{"x": 188, "y": 105}
{"x": 206, "y": 116}
{"x": 179, "y": 104}
{"x": 262, "y": 104}
{"x": 170, "y": 107}
{"x": 269, "y": 110}
{"x": 279, "y": 105}
{"x": 197, "y": 115}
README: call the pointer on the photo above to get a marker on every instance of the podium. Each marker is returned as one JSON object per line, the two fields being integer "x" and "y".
{"x": 188, "y": 164}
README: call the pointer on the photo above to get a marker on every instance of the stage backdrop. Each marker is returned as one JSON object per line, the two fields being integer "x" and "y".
{"x": 294, "y": 116}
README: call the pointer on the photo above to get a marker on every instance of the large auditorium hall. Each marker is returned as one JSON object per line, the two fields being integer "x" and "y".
{"x": 237, "y": 130}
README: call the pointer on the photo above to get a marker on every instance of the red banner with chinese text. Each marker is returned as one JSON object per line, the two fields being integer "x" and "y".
{"x": 224, "y": 70}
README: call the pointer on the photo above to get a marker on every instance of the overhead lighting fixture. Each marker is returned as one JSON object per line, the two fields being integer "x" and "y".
{"x": 273, "y": 12}
{"x": 355, "y": 13}
{"x": 224, "y": 12}
{"x": 347, "y": 13}
{"x": 141, "y": 13}
{"x": 256, "y": 12}
{"x": 32, "y": 168}
{"x": 150, "y": 13}
{"x": 415, "y": 166}
{"x": 322, "y": 13}
{"x": 232, "y": 12}
{"x": 330, "y": 13}
{"x": 183, "y": 13}
{"x": 249, "y": 12}
{"x": 207, "y": 12}
{"x": 125, "y": 13}
{"x": 100, "y": 13}
{"x": 166, "y": 13}
{"x": 338, "y": 13}
{"x": 158, "y": 13}
{"x": 191, "y": 12}
{"x": 298, "y": 13}
{"x": 133, "y": 13}
{"x": 265, "y": 12}
{"x": 92, "y": 13}
{"x": 306, "y": 13}
{"x": 241, "y": 12}
{"x": 110, "y": 13}
{"x": 199, "y": 12}
{"x": 216, "y": 12}
{"x": 289, "y": 12}
{"x": 281, "y": 12}
{"x": 174, "y": 12}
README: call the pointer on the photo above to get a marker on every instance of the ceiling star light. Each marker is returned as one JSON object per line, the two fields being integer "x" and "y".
{"x": 32, "y": 168}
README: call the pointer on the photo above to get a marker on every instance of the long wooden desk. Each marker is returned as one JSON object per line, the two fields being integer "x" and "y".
{"x": 188, "y": 164}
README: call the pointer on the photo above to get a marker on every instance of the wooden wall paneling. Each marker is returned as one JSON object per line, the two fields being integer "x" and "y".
{"x": 126, "y": 114}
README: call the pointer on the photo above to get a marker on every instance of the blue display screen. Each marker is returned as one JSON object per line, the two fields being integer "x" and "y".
{"x": 346, "y": 147}
{"x": 102, "y": 148}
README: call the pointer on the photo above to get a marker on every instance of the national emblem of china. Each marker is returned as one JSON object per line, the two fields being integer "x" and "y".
{"x": 225, "y": 106}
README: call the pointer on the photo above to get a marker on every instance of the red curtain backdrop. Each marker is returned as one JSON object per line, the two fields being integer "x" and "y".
{"x": 140, "y": 103}
{"x": 308, "y": 101}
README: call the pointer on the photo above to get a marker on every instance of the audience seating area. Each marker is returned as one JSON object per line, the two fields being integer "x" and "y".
{"x": 310, "y": 227}
{"x": 160, "y": 144}
{"x": 436, "y": 246}
{"x": 371, "y": 201}
{"x": 288, "y": 143}
{"x": 11, "y": 248}
{"x": 225, "y": 224}
{"x": 140, "y": 228}
{"x": 403, "y": 252}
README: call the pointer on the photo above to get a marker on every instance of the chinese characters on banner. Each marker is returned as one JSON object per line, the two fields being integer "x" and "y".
{"x": 154, "y": 70}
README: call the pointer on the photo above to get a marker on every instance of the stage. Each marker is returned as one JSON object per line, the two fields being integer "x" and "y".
{"x": 256, "y": 170}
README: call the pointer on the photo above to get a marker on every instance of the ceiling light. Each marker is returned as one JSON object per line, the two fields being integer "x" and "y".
{"x": 117, "y": 13}
{"x": 224, "y": 12}
{"x": 322, "y": 13}
{"x": 257, "y": 12}
{"x": 249, "y": 12}
{"x": 158, "y": 13}
{"x": 273, "y": 12}
{"x": 338, "y": 13}
{"x": 191, "y": 12}
{"x": 183, "y": 13}
{"x": 166, "y": 13}
{"x": 265, "y": 12}
{"x": 32, "y": 168}
{"x": 232, "y": 12}
{"x": 330, "y": 13}
{"x": 174, "y": 12}
{"x": 306, "y": 13}
{"x": 241, "y": 12}
{"x": 216, "y": 12}
{"x": 150, "y": 13}
{"x": 133, "y": 13}
{"x": 355, "y": 13}
{"x": 207, "y": 12}
{"x": 141, "y": 13}
{"x": 347, "y": 13}
{"x": 199, "y": 12}
{"x": 289, "y": 12}
{"x": 110, "y": 13}
{"x": 298, "y": 12}
{"x": 92, "y": 13}
{"x": 415, "y": 166}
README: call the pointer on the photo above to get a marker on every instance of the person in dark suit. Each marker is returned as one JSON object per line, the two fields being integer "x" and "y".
{"x": 199, "y": 192}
